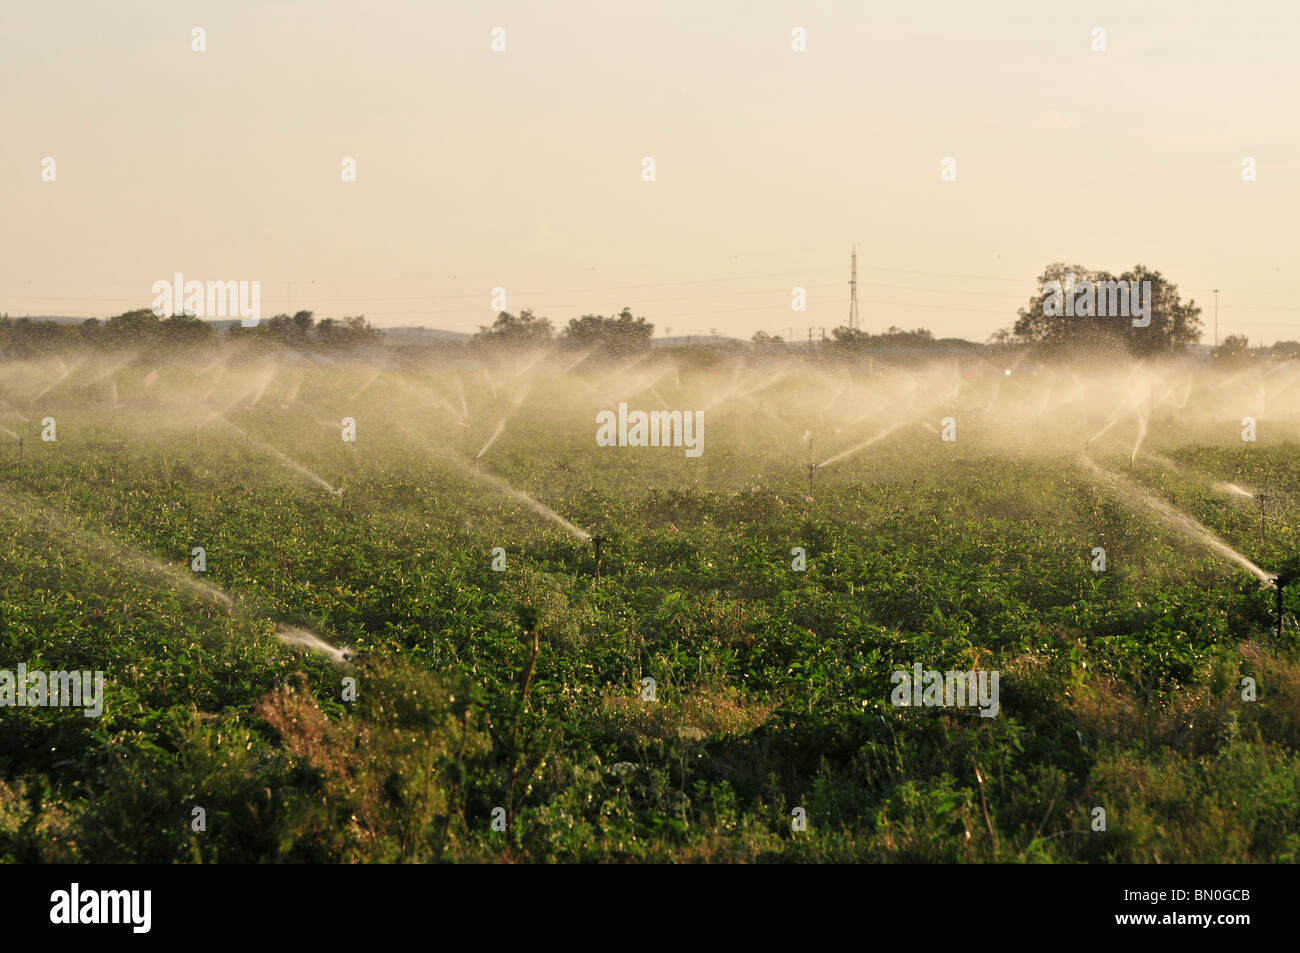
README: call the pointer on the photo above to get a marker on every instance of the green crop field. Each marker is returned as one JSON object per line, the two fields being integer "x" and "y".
{"x": 351, "y": 676}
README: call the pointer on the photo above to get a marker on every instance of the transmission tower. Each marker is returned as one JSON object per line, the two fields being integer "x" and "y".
{"x": 853, "y": 292}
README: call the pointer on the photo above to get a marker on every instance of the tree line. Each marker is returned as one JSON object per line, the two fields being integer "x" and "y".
{"x": 143, "y": 328}
{"x": 623, "y": 334}
{"x": 1167, "y": 325}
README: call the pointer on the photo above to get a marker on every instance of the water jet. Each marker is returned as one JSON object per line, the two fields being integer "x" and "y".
{"x": 301, "y": 638}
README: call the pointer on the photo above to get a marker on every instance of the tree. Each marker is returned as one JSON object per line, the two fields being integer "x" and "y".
{"x": 301, "y": 326}
{"x": 141, "y": 326}
{"x": 850, "y": 339}
{"x": 182, "y": 329}
{"x": 1078, "y": 309}
{"x": 897, "y": 338}
{"x": 767, "y": 343}
{"x": 622, "y": 335}
{"x": 346, "y": 333}
{"x": 27, "y": 336}
{"x": 1234, "y": 348}
{"x": 524, "y": 331}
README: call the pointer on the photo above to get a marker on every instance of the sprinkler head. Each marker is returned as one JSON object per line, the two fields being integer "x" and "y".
{"x": 1283, "y": 579}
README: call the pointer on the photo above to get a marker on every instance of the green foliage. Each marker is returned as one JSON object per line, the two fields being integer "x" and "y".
{"x": 509, "y": 331}
{"x": 624, "y": 335}
{"x": 1119, "y": 689}
{"x": 1174, "y": 324}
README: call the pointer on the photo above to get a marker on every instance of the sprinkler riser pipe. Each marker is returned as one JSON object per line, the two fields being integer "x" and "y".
{"x": 1281, "y": 581}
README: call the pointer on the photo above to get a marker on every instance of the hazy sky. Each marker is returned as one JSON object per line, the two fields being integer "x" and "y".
{"x": 523, "y": 168}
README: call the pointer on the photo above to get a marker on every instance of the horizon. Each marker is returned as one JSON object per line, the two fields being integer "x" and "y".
{"x": 658, "y": 340}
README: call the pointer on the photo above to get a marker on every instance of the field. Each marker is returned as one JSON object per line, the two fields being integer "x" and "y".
{"x": 419, "y": 728}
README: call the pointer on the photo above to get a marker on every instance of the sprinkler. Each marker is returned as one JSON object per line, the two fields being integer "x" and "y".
{"x": 811, "y": 468}
{"x": 1281, "y": 581}
{"x": 597, "y": 541}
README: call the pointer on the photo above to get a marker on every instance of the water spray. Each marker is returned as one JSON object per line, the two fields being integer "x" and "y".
{"x": 1133, "y": 494}
{"x": 301, "y": 638}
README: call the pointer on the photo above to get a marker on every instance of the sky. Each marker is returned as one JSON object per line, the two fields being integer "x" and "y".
{"x": 522, "y": 169}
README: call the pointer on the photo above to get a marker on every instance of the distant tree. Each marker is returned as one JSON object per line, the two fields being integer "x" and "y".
{"x": 141, "y": 326}
{"x": 1287, "y": 349}
{"x": 763, "y": 341}
{"x": 182, "y": 329}
{"x": 845, "y": 338}
{"x": 303, "y": 332}
{"x": 850, "y": 340}
{"x": 524, "y": 331}
{"x": 277, "y": 326}
{"x": 622, "y": 335}
{"x": 302, "y": 325}
{"x": 896, "y": 337}
{"x": 1174, "y": 324}
{"x": 1233, "y": 348}
{"x": 28, "y": 336}
{"x": 346, "y": 333}
{"x": 293, "y": 331}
